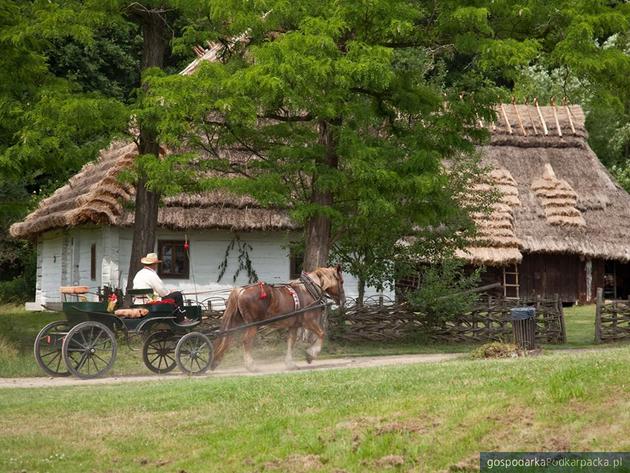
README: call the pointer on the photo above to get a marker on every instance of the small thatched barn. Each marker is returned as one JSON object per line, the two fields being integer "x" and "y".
{"x": 84, "y": 231}
{"x": 561, "y": 225}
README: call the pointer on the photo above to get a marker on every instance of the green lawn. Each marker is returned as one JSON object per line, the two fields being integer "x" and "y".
{"x": 428, "y": 417}
{"x": 19, "y": 328}
{"x": 580, "y": 324}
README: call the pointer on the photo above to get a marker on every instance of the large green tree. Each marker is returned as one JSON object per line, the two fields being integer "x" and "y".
{"x": 71, "y": 83}
{"x": 343, "y": 103}
{"x": 50, "y": 125}
{"x": 341, "y": 114}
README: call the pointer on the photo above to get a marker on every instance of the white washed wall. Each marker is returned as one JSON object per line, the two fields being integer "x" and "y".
{"x": 51, "y": 269}
{"x": 84, "y": 239}
{"x": 269, "y": 256}
{"x": 351, "y": 286}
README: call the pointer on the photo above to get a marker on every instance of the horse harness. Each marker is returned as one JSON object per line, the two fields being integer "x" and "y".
{"x": 315, "y": 291}
{"x": 296, "y": 299}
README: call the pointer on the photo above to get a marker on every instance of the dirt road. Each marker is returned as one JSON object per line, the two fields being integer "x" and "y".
{"x": 273, "y": 368}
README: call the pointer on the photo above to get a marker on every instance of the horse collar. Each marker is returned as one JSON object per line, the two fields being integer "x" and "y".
{"x": 313, "y": 289}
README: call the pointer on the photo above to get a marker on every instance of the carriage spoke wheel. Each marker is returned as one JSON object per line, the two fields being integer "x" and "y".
{"x": 158, "y": 352}
{"x": 47, "y": 348}
{"x": 89, "y": 350}
{"x": 194, "y": 353}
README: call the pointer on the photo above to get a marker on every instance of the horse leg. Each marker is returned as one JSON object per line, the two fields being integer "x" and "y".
{"x": 288, "y": 360}
{"x": 313, "y": 325}
{"x": 248, "y": 343}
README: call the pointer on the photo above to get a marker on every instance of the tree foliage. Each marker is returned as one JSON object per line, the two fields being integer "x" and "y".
{"x": 70, "y": 72}
{"x": 342, "y": 113}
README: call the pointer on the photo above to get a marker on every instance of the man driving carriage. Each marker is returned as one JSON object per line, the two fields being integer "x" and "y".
{"x": 147, "y": 278}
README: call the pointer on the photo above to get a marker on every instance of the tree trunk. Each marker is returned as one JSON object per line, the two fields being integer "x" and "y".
{"x": 318, "y": 227}
{"x": 145, "y": 221}
{"x": 361, "y": 287}
{"x": 155, "y": 43}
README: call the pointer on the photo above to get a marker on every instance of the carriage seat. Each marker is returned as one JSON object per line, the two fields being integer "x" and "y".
{"x": 132, "y": 313}
{"x": 74, "y": 290}
{"x": 143, "y": 295}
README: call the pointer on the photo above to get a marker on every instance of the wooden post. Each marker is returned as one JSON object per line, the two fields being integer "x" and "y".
{"x": 563, "y": 327}
{"x": 598, "y": 315}
{"x": 566, "y": 105}
{"x": 518, "y": 116}
{"x": 505, "y": 117}
{"x": 555, "y": 116}
{"x": 531, "y": 119}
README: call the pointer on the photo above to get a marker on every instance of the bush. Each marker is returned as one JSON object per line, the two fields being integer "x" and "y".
{"x": 442, "y": 294}
{"x": 16, "y": 290}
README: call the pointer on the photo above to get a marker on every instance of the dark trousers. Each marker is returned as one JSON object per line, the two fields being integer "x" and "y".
{"x": 179, "y": 303}
{"x": 177, "y": 297}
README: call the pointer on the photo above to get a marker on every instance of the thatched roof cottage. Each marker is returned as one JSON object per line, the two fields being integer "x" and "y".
{"x": 84, "y": 232}
{"x": 562, "y": 223}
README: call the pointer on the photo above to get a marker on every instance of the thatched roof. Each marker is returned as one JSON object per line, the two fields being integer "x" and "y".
{"x": 495, "y": 232}
{"x": 565, "y": 200}
{"x": 95, "y": 195}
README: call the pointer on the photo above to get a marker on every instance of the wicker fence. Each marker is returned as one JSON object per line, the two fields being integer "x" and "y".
{"x": 389, "y": 321}
{"x": 612, "y": 319}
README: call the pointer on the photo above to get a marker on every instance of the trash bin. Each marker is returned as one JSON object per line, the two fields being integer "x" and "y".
{"x": 524, "y": 327}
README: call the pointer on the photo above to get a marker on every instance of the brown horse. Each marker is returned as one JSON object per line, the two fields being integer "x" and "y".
{"x": 261, "y": 301}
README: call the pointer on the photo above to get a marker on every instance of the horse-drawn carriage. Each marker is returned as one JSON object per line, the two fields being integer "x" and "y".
{"x": 85, "y": 343}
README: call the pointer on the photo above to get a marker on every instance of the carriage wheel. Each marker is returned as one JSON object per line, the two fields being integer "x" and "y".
{"x": 48, "y": 348}
{"x": 158, "y": 351}
{"x": 194, "y": 353}
{"x": 89, "y": 350}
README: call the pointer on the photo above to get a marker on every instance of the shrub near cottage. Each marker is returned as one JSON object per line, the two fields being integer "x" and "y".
{"x": 442, "y": 293}
{"x": 16, "y": 290}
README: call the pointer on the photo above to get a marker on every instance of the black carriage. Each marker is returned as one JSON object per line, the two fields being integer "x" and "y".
{"x": 85, "y": 344}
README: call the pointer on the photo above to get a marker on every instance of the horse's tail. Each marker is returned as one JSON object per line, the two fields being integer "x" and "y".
{"x": 228, "y": 321}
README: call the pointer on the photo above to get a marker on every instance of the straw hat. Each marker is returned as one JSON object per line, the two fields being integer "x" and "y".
{"x": 151, "y": 258}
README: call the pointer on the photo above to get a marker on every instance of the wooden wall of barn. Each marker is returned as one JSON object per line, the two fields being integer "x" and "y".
{"x": 573, "y": 278}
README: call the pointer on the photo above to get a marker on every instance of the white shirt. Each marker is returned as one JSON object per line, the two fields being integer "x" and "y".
{"x": 146, "y": 278}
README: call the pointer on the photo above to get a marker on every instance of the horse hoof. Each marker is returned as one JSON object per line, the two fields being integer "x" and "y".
{"x": 252, "y": 368}
{"x": 292, "y": 366}
{"x": 309, "y": 358}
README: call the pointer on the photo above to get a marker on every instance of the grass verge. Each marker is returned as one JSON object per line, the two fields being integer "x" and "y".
{"x": 411, "y": 418}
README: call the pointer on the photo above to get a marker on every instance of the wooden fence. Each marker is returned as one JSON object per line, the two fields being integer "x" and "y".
{"x": 388, "y": 321}
{"x": 612, "y": 319}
